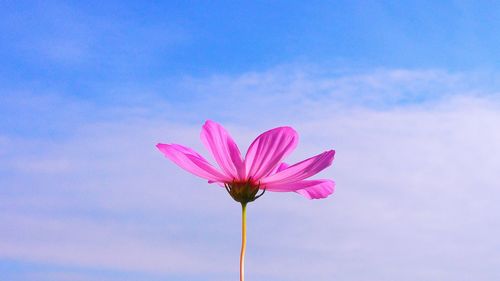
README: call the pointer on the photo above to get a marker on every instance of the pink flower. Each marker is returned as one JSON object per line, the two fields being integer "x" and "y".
{"x": 261, "y": 169}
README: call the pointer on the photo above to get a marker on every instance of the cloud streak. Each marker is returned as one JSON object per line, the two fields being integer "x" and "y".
{"x": 415, "y": 170}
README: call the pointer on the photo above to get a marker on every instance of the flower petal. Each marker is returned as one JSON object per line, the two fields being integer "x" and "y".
{"x": 191, "y": 161}
{"x": 301, "y": 170}
{"x": 268, "y": 149}
{"x": 224, "y": 149}
{"x": 311, "y": 189}
{"x": 281, "y": 167}
{"x": 294, "y": 186}
{"x": 319, "y": 190}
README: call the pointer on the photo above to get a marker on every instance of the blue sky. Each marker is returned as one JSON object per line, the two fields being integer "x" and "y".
{"x": 97, "y": 41}
{"x": 407, "y": 93}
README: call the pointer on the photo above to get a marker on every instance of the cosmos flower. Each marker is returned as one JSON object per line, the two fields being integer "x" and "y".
{"x": 261, "y": 169}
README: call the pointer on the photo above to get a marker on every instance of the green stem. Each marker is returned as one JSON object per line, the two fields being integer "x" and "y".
{"x": 243, "y": 240}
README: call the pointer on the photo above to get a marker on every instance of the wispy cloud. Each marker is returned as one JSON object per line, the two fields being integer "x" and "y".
{"x": 415, "y": 169}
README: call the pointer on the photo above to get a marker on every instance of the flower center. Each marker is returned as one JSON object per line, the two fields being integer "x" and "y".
{"x": 244, "y": 192}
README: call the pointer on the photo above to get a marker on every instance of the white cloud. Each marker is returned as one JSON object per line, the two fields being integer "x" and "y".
{"x": 416, "y": 172}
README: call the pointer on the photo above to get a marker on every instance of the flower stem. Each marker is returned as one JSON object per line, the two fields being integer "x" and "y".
{"x": 243, "y": 240}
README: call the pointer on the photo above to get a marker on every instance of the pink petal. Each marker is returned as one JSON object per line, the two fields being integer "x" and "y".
{"x": 301, "y": 170}
{"x": 312, "y": 189}
{"x": 281, "y": 167}
{"x": 224, "y": 149}
{"x": 294, "y": 186}
{"x": 268, "y": 149}
{"x": 319, "y": 190}
{"x": 191, "y": 161}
